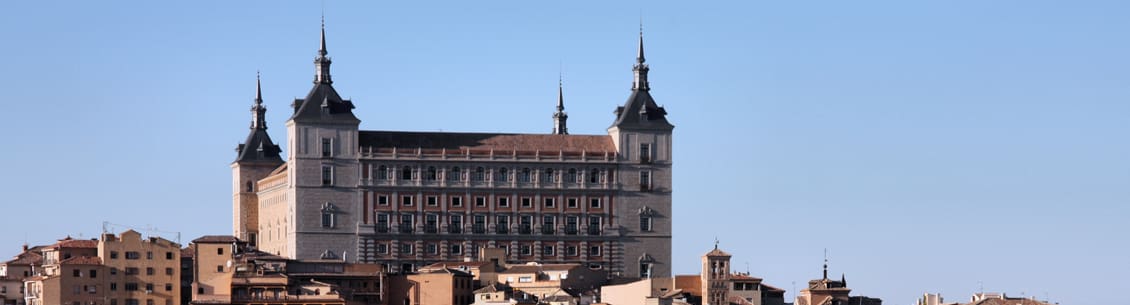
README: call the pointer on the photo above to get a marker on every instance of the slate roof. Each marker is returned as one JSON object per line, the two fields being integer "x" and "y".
{"x": 454, "y": 141}
{"x": 258, "y": 148}
{"x": 641, "y": 105}
{"x": 323, "y": 96}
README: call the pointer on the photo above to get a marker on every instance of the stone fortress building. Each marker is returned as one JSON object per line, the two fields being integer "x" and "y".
{"x": 407, "y": 199}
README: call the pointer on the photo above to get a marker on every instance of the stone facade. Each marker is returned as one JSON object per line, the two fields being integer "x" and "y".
{"x": 408, "y": 199}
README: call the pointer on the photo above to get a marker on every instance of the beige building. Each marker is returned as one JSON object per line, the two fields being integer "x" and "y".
{"x": 545, "y": 280}
{"x": 408, "y": 199}
{"x": 434, "y": 287}
{"x": 121, "y": 269}
{"x": 227, "y": 271}
{"x": 825, "y": 291}
{"x": 716, "y": 284}
{"x": 13, "y": 273}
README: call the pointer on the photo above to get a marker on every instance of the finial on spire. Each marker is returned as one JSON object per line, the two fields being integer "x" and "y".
{"x": 716, "y": 243}
{"x": 640, "y": 68}
{"x": 322, "y": 50}
{"x": 825, "y": 263}
{"x": 560, "y": 117}
{"x": 639, "y": 57}
{"x": 258, "y": 88}
{"x": 258, "y": 112}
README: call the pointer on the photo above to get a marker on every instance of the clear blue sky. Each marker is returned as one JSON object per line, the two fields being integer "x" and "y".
{"x": 929, "y": 145}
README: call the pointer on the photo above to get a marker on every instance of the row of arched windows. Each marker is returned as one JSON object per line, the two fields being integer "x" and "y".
{"x": 500, "y": 174}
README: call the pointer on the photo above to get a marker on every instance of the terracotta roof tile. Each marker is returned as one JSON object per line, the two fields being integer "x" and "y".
{"x": 457, "y": 141}
{"x": 76, "y": 243}
{"x": 82, "y": 260}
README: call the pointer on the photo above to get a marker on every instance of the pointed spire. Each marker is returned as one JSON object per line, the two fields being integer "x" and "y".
{"x": 322, "y": 49}
{"x": 843, "y": 279}
{"x": 322, "y": 63}
{"x": 258, "y": 111}
{"x": 640, "y": 68}
{"x": 825, "y": 264}
{"x": 560, "y": 118}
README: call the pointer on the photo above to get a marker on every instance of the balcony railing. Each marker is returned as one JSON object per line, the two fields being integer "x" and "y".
{"x": 525, "y": 229}
{"x": 502, "y": 229}
{"x": 406, "y": 228}
{"x": 455, "y": 228}
{"x": 548, "y": 230}
{"x": 479, "y": 228}
{"x": 432, "y": 229}
{"x": 382, "y": 228}
{"x": 570, "y": 229}
{"x": 594, "y": 230}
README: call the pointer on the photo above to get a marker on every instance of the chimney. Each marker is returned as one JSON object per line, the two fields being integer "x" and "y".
{"x": 25, "y": 247}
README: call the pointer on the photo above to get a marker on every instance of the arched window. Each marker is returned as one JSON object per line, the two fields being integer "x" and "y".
{"x": 406, "y": 173}
{"x": 455, "y": 174}
{"x": 480, "y": 174}
{"x": 382, "y": 172}
{"x": 503, "y": 175}
{"x": 525, "y": 175}
{"x": 250, "y": 187}
{"x": 594, "y": 176}
{"x": 548, "y": 175}
{"x": 431, "y": 174}
{"x": 571, "y": 176}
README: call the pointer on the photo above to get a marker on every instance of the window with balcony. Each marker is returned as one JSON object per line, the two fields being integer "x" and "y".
{"x": 456, "y": 225}
{"x": 479, "y": 227}
{"x": 594, "y": 225}
{"x": 525, "y": 175}
{"x": 525, "y": 224}
{"x": 406, "y": 173}
{"x": 382, "y": 223}
{"x": 431, "y": 223}
{"x": 479, "y": 175}
{"x": 502, "y": 225}
{"x": 406, "y": 223}
{"x": 548, "y": 224}
{"x": 431, "y": 174}
{"x": 503, "y": 175}
{"x": 456, "y": 174}
{"x": 571, "y": 224}
{"x": 382, "y": 172}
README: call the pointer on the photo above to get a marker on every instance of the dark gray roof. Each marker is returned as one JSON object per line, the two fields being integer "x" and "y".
{"x": 324, "y": 105}
{"x": 641, "y": 112}
{"x": 455, "y": 141}
{"x": 258, "y": 148}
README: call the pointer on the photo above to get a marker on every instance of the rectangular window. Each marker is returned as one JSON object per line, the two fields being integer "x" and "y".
{"x": 548, "y": 251}
{"x": 113, "y": 286}
{"x": 456, "y": 249}
{"x": 382, "y": 199}
{"x": 526, "y": 250}
{"x": 406, "y": 200}
{"x": 113, "y": 254}
{"x": 382, "y": 248}
{"x": 431, "y": 248}
{"x": 327, "y": 175}
{"x": 571, "y": 250}
{"x": 149, "y": 255}
{"x": 76, "y": 273}
{"x": 527, "y": 202}
{"x": 168, "y": 271}
{"x": 456, "y": 225}
{"x": 432, "y": 201}
{"x": 594, "y": 203}
{"x": 133, "y": 255}
{"x": 327, "y": 147}
{"x": 131, "y": 286}
{"x": 113, "y": 271}
{"x": 645, "y": 223}
{"x": 149, "y": 271}
{"x": 503, "y": 202}
{"x": 168, "y": 287}
{"x": 406, "y": 248}
{"x": 219, "y": 251}
{"x": 327, "y": 219}
{"x": 645, "y": 270}
{"x": 93, "y": 273}
{"x": 132, "y": 271}
{"x": 645, "y": 153}
{"x": 645, "y": 180}
{"x": 480, "y": 201}
{"x": 220, "y": 268}
{"x": 525, "y": 279}
{"x": 571, "y": 203}
{"x": 549, "y": 202}
{"x": 406, "y": 223}
{"x": 382, "y": 223}
{"x": 594, "y": 250}
{"x": 456, "y": 201}
{"x": 168, "y": 255}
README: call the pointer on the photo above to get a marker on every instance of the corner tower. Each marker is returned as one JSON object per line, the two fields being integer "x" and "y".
{"x": 642, "y": 137}
{"x": 322, "y": 172}
{"x": 255, "y": 158}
